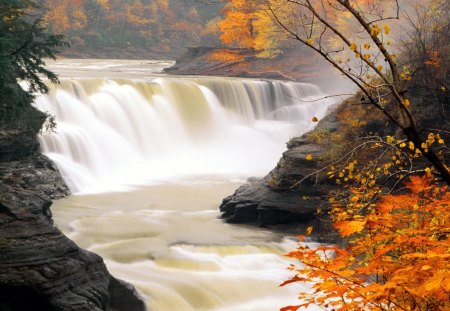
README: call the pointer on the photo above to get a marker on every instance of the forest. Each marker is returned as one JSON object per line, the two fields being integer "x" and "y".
{"x": 132, "y": 29}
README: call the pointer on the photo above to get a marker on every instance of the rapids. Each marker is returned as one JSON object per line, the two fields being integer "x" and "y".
{"x": 149, "y": 158}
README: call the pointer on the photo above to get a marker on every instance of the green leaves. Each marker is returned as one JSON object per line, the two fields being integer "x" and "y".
{"x": 24, "y": 43}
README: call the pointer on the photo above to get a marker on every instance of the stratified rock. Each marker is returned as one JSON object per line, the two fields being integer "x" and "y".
{"x": 40, "y": 268}
{"x": 291, "y": 194}
{"x": 276, "y": 198}
{"x": 38, "y": 261}
{"x": 35, "y": 173}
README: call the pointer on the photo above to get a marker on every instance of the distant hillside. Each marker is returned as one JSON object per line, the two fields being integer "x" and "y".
{"x": 152, "y": 29}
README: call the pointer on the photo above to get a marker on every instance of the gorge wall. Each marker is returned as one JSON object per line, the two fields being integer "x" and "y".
{"x": 40, "y": 268}
{"x": 277, "y": 200}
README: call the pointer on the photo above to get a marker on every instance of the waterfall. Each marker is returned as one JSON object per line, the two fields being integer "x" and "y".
{"x": 113, "y": 134}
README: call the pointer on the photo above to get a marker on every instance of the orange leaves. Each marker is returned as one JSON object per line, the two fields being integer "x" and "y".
{"x": 236, "y": 29}
{"x": 418, "y": 184}
{"x": 348, "y": 228}
{"x": 397, "y": 258}
{"x": 247, "y": 24}
{"x": 226, "y": 56}
{"x": 434, "y": 59}
{"x": 290, "y": 308}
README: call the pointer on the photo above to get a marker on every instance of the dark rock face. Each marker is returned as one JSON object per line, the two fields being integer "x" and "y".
{"x": 35, "y": 173}
{"x": 278, "y": 199}
{"x": 275, "y": 199}
{"x": 124, "y": 297}
{"x": 18, "y": 133}
{"x": 40, "y": 268}
{"x": 36, "y": 258}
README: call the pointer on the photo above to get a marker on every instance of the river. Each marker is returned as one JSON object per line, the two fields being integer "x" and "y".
{"x": 149, "y": 157}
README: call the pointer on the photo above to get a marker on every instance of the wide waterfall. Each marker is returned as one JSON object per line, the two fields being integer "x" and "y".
{"x": 115, "y": 133}
{"x": 150, "y": 159}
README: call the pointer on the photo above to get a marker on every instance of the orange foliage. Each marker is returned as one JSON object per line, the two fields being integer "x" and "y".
{"x": 397, "y": 258}
{"x": 247, "y": 24}
{"x": 65, "y": 15}
{"x": 226, "y": 56}
{"x": 237, "y": 28}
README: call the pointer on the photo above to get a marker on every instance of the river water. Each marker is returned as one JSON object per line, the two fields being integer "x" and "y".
{"x": 149, "y": 157}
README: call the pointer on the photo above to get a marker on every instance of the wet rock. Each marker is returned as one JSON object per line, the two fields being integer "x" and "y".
{"x": 124, "y": 296}
{"x": 38, "y": 261}
{"x": 40, "y": 268}
{"x": 34, "y": 173}
{"x": 291, "y": 194}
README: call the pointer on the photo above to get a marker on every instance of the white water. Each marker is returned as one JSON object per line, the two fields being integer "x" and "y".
{"x": 117, "y": 133}
{"x": 150, "y": 160}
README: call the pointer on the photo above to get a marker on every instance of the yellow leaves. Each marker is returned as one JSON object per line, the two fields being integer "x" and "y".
{"x": 309, "y": 157}
{"x": 390, "y": 139}
{"x": 387, "y": 29}
{"x": 406, "y": 102}
{"x": 235, "y": 29}
{"x": 309, "y": 41}
{"x": 353, "y": 47}
{"x": 247, "y": 25}
{"x": 314, "y": 119}
{"x": 375, "y": 31}
{"x": 348, "y": 228}
{"x": 366, "y": 46}
{"x": 405, "y": 76}
{"x": 380, "y": 67}
{"x": 309, "y": 230}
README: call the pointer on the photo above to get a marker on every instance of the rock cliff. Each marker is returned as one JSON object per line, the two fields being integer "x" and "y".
{"x": 278, "y": 200}
{"x": 40, "y": 268}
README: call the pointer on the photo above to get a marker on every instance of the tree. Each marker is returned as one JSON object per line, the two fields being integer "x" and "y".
{"x": 397, "y": 257}
{"x": 65, "y": 15}
{"x": 392, "y": 229}
{"x": 390, "y": 236}
{"x": 354, "y": 37}
{"x": 23, "y": 45}
{"x": 247, "y": 25}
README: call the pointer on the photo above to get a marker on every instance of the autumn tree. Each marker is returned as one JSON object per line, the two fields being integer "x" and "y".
{"x": 65, "y": 15}
{"x": 246, "y": 24}
{"x": 392, "y": 234}
{"x": 396, "y": 258}
{"x": 353, "y": 37}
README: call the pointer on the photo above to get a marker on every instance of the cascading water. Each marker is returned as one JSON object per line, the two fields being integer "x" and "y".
{"x": 174, "y": 147}
{"x": 113, "y": 133}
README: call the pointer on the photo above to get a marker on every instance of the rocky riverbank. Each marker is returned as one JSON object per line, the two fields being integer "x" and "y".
{"x": 40, "y": 268}
{"x": 278, "y": 200}
{"x": 295, "y": 64}
{"x": 281, "y": 202}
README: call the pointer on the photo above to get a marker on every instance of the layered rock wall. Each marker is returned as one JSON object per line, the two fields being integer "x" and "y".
{"x": 279, "y": 200}
{"x": 40, "y": 268}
